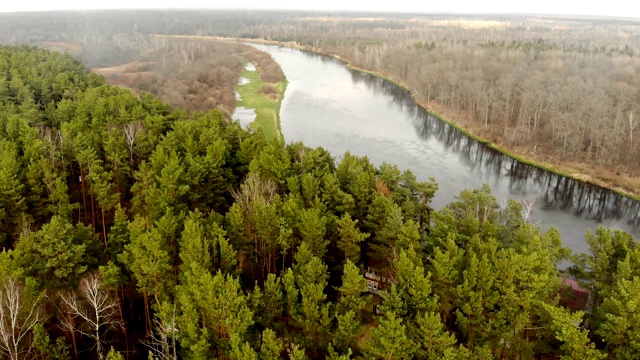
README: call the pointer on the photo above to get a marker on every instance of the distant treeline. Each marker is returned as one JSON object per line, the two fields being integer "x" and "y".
{"x": 557, "y": 88}
{"x": 134, "y": 230}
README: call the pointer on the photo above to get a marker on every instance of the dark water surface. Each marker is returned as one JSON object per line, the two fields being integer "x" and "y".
{"x": 328, "y": 105}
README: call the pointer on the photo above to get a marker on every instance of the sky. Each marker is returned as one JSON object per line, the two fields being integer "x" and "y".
{"x": 621, "y": 8}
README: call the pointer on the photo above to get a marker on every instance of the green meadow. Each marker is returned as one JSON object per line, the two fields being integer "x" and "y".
{"x": 266, "y": 103}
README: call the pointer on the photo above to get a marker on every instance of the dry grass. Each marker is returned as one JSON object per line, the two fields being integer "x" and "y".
{"x": 126, "y": 75}
{"x": 62, "y": 47}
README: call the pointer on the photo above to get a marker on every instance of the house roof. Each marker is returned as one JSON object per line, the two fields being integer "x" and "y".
{"x": 573, "y": 296}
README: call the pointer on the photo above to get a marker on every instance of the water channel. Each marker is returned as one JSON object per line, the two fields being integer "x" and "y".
{"x": 329, "y": 105}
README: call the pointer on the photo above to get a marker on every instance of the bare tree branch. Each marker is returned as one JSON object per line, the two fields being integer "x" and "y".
{"x": 17, "y": 319}
{"x": 131, "y": 131}
{"x": 92, "y": 312}
{"x": 163, "y": 341}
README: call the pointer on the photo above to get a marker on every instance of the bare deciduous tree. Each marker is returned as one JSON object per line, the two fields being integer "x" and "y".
{"x": 253, "y": 189}
{"x": 92, "y": 312}
{"x": 18, "y": 316}
{"x": 163, "y": 342}
{"x": 130, "y": 132}
{"x": 528, "y": 208}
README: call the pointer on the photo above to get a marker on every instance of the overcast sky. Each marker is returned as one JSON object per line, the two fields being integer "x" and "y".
{"x": 624, "y": 8}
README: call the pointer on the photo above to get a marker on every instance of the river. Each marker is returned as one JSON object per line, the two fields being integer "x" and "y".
{"x": 328, "y": 105}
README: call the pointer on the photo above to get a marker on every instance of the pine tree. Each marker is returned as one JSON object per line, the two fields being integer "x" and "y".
{"x": 117, "y": 158}
{"x": 59, "y": 201}
{"x": 350, "y": 238}
{"x": 114, "y": 355}
{"x": 241, "y": 351}
{"x": 267, "y": 221}
{"x": 272, "y": 163}
{"x": 215, "y": 316}
{"x": 334, "y": 197}
{"x": 607, "y": 249}
{"x": 270, "y": 302}
{"x": 413, "y": 284}
{"x": 313, "y": 229}
{"x": 389, "y": 340}
{"x": 149, "y": 258}
{"x": 475, "y": 294}
{"x": 118, "y": 234}
{"x": 57, "y": 256}
{"x": 101, "y": 186}
{"x": 271, "y": 346}
{"x": 384, "y": 241}
{"x": 620, "y": 314}
{"x": 309, "y": 186}
{"x": 195, "y": 248}
{"x": 575, "y": 341}
{"x": 311, "y": 314}
{"x": 296, "y": 353}
{"x": 445, "y": 267}
{"x": 348, "y": 332}
{"x": 352, "y": 291}
{"x": 431, "y": 336}
{"x": 12, "y": 200}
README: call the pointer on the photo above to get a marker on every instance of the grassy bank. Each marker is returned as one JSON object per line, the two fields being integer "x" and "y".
{"x": 266, "y": 99}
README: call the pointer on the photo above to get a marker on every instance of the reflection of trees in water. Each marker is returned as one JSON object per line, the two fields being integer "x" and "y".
{"x": 552, "y": 191}
{"x": 311, "y": 55}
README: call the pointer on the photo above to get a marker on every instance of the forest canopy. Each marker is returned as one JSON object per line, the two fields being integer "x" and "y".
{"x": 135, "y": 230}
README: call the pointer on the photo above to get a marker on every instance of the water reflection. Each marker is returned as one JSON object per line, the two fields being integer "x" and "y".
{"x": 327, "y": 105}
{"x": 552, "y": 191}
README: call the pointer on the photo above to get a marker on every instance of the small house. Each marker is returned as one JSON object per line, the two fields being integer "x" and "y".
{"x": 376, "y": 283}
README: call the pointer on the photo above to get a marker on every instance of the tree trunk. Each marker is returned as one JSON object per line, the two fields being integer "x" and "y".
{"x": 104, "y": 231}
{"x": 120, "y": 296}
{"x": 84, "y": 195}
{"x": 73, "y": 336}
{"x": 93, "y": 210}
{"x": 147, "y": 321}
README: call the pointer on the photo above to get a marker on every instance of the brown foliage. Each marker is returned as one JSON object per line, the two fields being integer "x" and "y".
{"x": 269, "y": 91}
{"x": 269, "y": 69}
{"x": 193, "y": 74}
{"x": 382, "y": 188}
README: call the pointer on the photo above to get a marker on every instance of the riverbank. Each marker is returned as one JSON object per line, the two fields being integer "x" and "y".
{"x": 265, "y": 98}
{"x": 262, "y": 96}
{"x": 623, "y": 184}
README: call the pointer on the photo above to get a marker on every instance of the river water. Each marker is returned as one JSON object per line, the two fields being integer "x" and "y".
{"x": 329, "y": 105}
{"x": 243, "y": 115}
